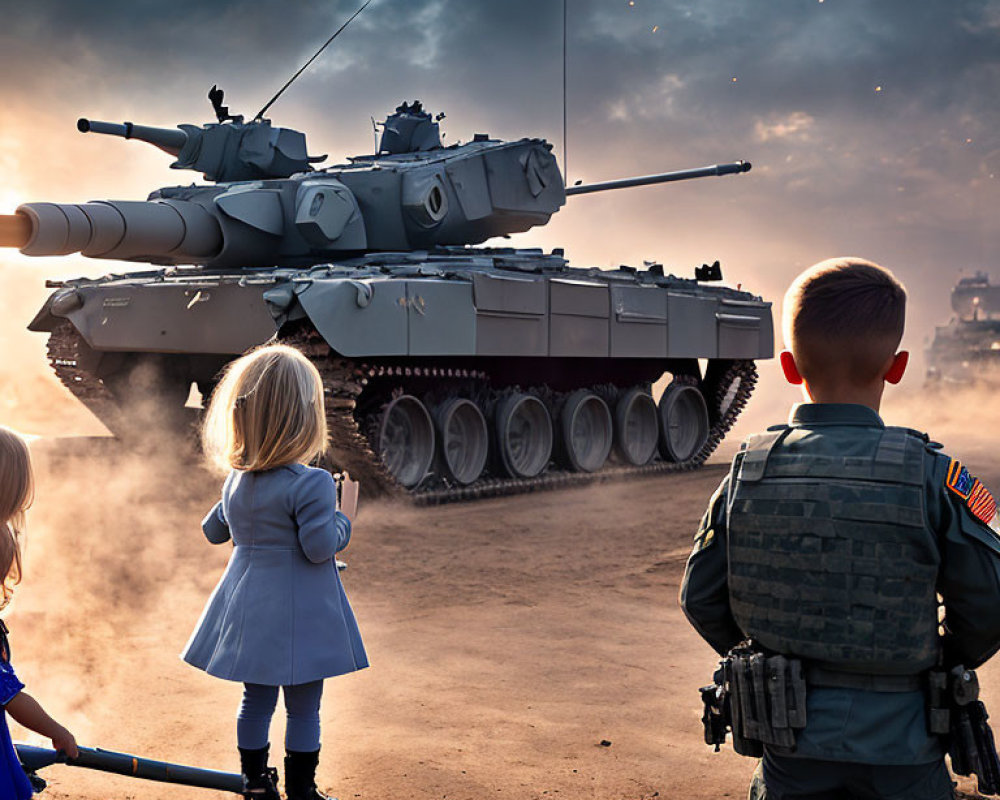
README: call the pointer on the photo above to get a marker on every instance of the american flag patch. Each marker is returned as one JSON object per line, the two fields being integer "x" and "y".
{"x": 960, "y": 481}
{"x": 982, "y": 505}
{"x": 977, "y": 497}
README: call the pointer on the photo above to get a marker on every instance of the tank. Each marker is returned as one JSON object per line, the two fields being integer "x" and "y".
{"x": 452, "y": 371}
{"x": 967, "y": 349}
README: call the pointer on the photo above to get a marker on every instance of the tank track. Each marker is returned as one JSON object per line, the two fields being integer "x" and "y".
{"x": 65, "y": 352}
{"x": 344, "y": 381}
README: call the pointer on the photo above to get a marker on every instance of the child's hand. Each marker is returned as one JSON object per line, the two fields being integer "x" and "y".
{"x": 27, "y": 712}
{"x": 64, "y": 741}
{"x": 349, "y": 497}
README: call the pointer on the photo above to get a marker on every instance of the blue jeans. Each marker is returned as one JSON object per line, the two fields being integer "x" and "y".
{"x": 253, "y": 723}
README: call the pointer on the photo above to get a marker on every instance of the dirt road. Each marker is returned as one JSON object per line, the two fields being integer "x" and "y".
{"x": 508, "y": 639}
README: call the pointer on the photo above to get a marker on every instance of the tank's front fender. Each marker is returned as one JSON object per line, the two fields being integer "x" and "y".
{"x": 219, "y": 317}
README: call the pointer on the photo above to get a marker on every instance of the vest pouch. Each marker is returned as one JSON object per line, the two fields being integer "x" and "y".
{"x": 768, "y": 700}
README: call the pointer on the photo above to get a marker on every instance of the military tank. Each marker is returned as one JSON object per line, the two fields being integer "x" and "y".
{"x": 967, "y": 349}
{"x": 451, "y": 371}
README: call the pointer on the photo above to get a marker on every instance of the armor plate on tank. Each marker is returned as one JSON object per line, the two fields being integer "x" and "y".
{"x": 830, "y": 556}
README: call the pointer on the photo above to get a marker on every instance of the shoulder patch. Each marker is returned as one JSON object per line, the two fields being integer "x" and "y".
{"x": 959, "y": 480}
{"x": 983, "y": 507}
{"x": 976, "y": 497}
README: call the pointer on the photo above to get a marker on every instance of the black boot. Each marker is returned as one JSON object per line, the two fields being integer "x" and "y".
{"x": 300, "y": 776}
{"x": 260, "y": 782}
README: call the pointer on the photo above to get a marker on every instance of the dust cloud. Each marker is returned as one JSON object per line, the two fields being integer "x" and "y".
{"x": 116, "y": 572}
{"x": 115, "y": 568}
{"x": 31, "y": 398}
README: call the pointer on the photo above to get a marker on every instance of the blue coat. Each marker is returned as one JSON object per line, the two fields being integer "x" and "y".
{"x": 279, "y": 615}
{"x": 14, "y": 784}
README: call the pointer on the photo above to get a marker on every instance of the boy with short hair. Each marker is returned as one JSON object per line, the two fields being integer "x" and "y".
{"x": 830, "y": 540}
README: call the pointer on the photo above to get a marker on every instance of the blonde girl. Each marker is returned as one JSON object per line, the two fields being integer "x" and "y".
{"x": 279, "y": 617}
{"x": 16, "y": 494}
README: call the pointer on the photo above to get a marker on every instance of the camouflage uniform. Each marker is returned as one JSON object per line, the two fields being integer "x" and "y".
{"x": 829, "y": 541}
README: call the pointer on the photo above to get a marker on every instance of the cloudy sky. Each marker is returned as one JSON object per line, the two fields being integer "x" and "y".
{"x": 873, "y": 127}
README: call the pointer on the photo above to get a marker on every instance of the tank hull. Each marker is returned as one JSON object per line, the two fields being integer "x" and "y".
{"x": 509, "y": 358}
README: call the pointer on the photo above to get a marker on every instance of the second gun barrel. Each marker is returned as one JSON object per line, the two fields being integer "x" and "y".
{"x": 170, "y": 140}
{"x": 663, "y": 177}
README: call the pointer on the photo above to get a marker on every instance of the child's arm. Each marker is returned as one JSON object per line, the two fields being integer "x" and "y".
{"x": 323, "y": 531}
{"x": 27, "y": 712}
{"x": 214, "y": 525}
{"x": 704, "y": 589}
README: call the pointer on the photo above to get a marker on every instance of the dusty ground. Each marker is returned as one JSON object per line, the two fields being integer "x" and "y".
{"x": 508, "y": 638}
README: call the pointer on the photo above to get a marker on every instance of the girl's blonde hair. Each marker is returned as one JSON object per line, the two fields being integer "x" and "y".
{"x": 17, "y": 491}
{"x": 266, "y": 412}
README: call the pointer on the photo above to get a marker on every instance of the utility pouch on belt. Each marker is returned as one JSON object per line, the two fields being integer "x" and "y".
{"x": 760, "y": 699}
{"x": 955, "y": 706}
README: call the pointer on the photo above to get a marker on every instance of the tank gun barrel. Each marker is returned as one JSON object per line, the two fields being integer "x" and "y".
{"x": 734, "y": 168}
{"x": 15, "y": 230}
{"x": 169, "y": 140}
{"x": 177, "y": 230}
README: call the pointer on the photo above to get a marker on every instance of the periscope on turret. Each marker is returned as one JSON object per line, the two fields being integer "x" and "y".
{"x": 453, "y": 371}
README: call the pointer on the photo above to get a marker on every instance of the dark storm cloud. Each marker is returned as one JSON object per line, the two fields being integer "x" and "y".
{"x": 877, "y": 118}
{"x": 823, "y": 58}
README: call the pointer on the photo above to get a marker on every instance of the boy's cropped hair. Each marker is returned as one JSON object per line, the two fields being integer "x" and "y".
{"x": 843, "y": 319}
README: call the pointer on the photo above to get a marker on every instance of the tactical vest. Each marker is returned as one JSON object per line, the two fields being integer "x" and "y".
{"x": 830, "y": 554}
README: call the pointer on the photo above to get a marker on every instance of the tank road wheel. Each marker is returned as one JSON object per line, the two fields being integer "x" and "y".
{"x": 586, "y": 429}
{"x": 636, "y": 428}
{"x": 406, "y": 440}
{"x": 524, "y": 434}
{"x": 464, "y": 439}
{"x": 683, "y": 421}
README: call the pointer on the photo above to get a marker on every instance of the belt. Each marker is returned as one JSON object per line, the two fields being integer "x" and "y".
{"x": 841, "y": 679}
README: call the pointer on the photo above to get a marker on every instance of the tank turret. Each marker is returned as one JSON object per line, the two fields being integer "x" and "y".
{"x": 451, "y": 371}
{"x": 225, "y": 151}
{"x": 270, "y": 207}
{"x": 229, "y": 150}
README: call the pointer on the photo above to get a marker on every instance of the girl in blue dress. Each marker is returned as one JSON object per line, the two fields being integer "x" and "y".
{"x": 16, "y": 494}
{"x": 279, "y": 617}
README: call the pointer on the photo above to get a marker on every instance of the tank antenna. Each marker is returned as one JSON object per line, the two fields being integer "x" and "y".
{"x": 565, "y": 159}
{"x": 260, "y": 114}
